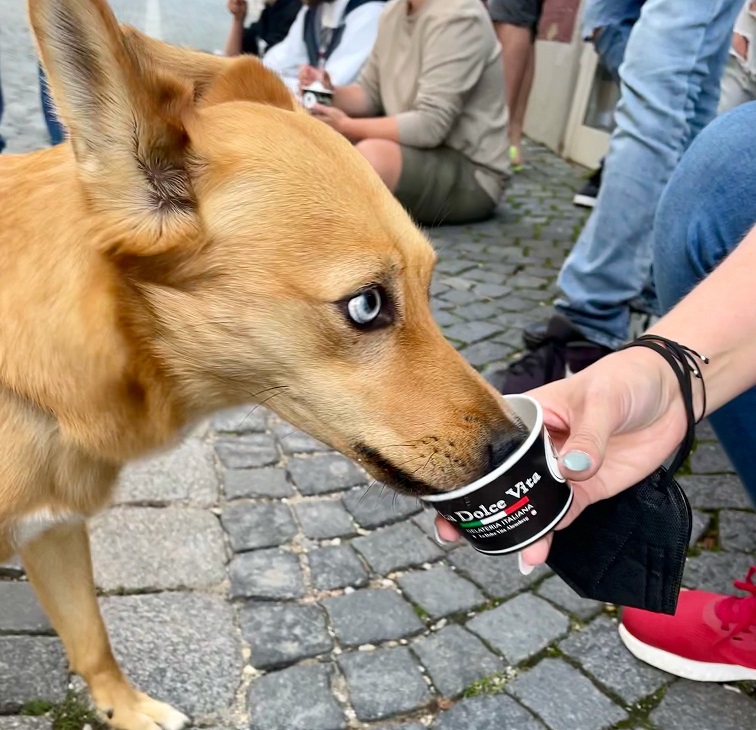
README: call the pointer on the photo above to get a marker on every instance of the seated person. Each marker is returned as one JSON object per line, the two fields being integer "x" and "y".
{"x": 428, "y": 111}
{"x": 269, "y": 29}
{"x": 331, "y": 35}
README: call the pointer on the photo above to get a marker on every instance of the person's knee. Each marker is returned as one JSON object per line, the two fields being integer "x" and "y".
{"x": 385, "y": 158}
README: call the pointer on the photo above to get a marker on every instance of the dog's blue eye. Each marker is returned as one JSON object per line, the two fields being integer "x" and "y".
{"x": 365, "y": 308}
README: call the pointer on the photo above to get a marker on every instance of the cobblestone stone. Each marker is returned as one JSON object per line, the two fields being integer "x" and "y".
{"x": 294, "y": 441}
{"x": 336, "y": 566}
{"x": 440, "y": 591}
{"x": 488, "y": 713}
{"x": 322, "y": 519}
{"x": 20, "y": 612}
{"x": 715, "y": 572}
{"x": 564, "y": 699}
{"x": 323, "y": 473}
{"x": 283, "y": 634}
{"x": 371, "y": 616}
{"x": 269, "y": 481}
{"x": 250, "y": 450}
{"x": 182, "y": 648}
{"x": 372, "y": 507}
{"x": 245, "y": 419}
{"x": 25, "y": 723}
{"x": 696, "y": 705}
{"x": 722, "y": 491}
{"x": 384, "y": 683}
{"x": 520, "y": 627}
{"x": 252, "y": 526}
{"x": 455, "y": 659}
{"x": 737, "y": 531}
{"x": 558, "y": 592}
{"x": 266, "y": 574}
{"x": 396, "y": 547}
{"x": 710, "y": 458}
{"x": 191, "y": 553}
{"x": 600, "y": 652}
{"x": 700, "y": 521}
{"x": 298, "y": 698}
{"x": 185, "y": 474}
{"x": 31, "y": 668}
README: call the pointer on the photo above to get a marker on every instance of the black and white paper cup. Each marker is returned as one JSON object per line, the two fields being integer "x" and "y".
{"x": 520, "y": 501}
{"x": 316, "y": 93}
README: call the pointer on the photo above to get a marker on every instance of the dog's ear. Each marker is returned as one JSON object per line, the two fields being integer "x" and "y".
{"x": 126, "y": 126}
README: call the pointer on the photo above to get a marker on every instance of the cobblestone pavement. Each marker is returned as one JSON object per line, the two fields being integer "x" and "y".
{"x": 250, "y": 578}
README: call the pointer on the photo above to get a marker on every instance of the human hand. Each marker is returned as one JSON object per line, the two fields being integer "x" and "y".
{"x": 238, "y": 8}
{"x": 613, "y": 424}
{"x": 309, "y": 75}
{"x": 333, "y": 117}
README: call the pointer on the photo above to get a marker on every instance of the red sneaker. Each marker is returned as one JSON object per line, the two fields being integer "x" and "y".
{"x": 711, "y": 637}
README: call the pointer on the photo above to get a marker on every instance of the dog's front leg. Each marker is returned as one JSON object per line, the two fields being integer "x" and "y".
{"x": 59, "y": 566}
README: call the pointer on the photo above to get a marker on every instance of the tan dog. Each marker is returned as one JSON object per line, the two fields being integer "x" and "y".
{"x": 199, "y": 243}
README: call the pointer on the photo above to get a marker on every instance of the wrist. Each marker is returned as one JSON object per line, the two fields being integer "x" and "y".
{"x": 345, "y": 126}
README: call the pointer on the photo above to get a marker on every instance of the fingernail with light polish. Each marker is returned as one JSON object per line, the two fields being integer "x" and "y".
{"x": 525, "y": 569}
{"x": 577, "y": 460}
{"x": 440, "y": 540}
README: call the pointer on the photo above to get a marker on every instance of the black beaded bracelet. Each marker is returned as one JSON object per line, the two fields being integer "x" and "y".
{"x": 682, "y": 360}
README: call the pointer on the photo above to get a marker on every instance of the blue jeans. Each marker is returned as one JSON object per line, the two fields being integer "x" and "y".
{"x": 670, "y": 89}
{"x": 54, "y": 128}
{"x": 707, "y": 208}
{"x": 615, "y": 19}
{"x": 2, "y": 141}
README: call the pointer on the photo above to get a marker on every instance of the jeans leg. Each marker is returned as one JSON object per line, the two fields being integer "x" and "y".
{"x": 2, "y": 141}
{"x": 54, "y": 128}
{"x": 611, "y": 262}
{"x": 703, "y": 215}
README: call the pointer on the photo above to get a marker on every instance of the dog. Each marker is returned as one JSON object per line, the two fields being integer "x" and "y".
{"x": 201, "y": 242}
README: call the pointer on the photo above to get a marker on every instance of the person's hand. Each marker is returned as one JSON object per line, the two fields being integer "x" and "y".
{"x": 613, "y": 424}
{"x": 332, "y": 116}
{"x": 238, "y": 8}
{"x": 740, "y": 45}
{"x": 309, "y": 75}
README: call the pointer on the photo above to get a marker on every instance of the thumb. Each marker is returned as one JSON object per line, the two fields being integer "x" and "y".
{"x": 583, "y": 452}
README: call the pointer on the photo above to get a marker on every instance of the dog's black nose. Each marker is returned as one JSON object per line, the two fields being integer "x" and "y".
{"x": 502, "y": 447}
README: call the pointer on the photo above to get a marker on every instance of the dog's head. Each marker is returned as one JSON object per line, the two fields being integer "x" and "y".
{"x": 258, "y": 256}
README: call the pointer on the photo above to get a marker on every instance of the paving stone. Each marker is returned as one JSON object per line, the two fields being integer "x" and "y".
{"x": 494, "y": 712}
{"x": 710, "y": 458}
{"x": 25, "y": 723}
{"x": 180, "y": 647}
{"x": 477, "y": 310}
{"x": 471, "y": 332}
{"x": 563, "y": 698}
{"x": 336, "y": 566}
{"x": 440, "y": 591}
{"x": 395, "y": 547}
{"x": 145, "y": 548}
{"x": 266, "y": 574}
{"x": 384, "y": 683}
{"x": 243, "y": 452}
{"x": 715, "y": 572}
{"x": 322, "y": 519}
{"x": 737, "y": 531}
{"x": 425, "y": 522}
{"x": 599, "y": 650}
{"x": 403, "y": 726}
{"x": 373, "y": 507}
{"x": 370, "y": 616}
{"x": 521, "y": 627}
{"x": 294, "y": 441}
{"x": 723, "y": 491}
{"x": 20, "y": 612}
{"x": 455, "y": 659}
{"x": 497, "y": 575}
{"x": 705, "y": 431}
{"x": 495, "y": 291}
{"x": 31, "y": 668}
{"x": 483, "y": 353}
{"x": 184, "y": 474}
{"x": 298, "y": 698}
{"x": 245, "y": 419}
{"x": 252, "y": 526}
{"x": 701, "y": 706}
{"x": 281, "y": 634}
{"x": 268, "y": 481}
{"x": 700, "y": 521}
{"x": 445, "y": 318}
{"x": 459, "y": 296}
{"x": 323, "y": 473}
{"x": 559, "y": 593}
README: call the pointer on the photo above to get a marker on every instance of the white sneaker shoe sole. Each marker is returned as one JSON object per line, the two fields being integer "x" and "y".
{"x": 681, "y": 667}
{"x": 584, "y": 201}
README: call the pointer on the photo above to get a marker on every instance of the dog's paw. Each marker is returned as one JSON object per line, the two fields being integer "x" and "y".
{"x": 126, "y": 709}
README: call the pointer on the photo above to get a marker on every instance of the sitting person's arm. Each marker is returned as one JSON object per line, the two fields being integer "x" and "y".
{"x": 237, "y": 8}
{"x": 452, "y": 63}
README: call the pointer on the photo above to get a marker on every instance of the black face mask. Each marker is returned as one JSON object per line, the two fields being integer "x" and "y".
{"x": 629, "y": 549}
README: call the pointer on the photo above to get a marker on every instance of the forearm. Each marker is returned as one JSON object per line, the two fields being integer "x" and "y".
{"x": 372, "y": 128}
{"x": 352, "y": 100}
{"x": 718, "y": 319}
{"x": 235, "y": 35}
